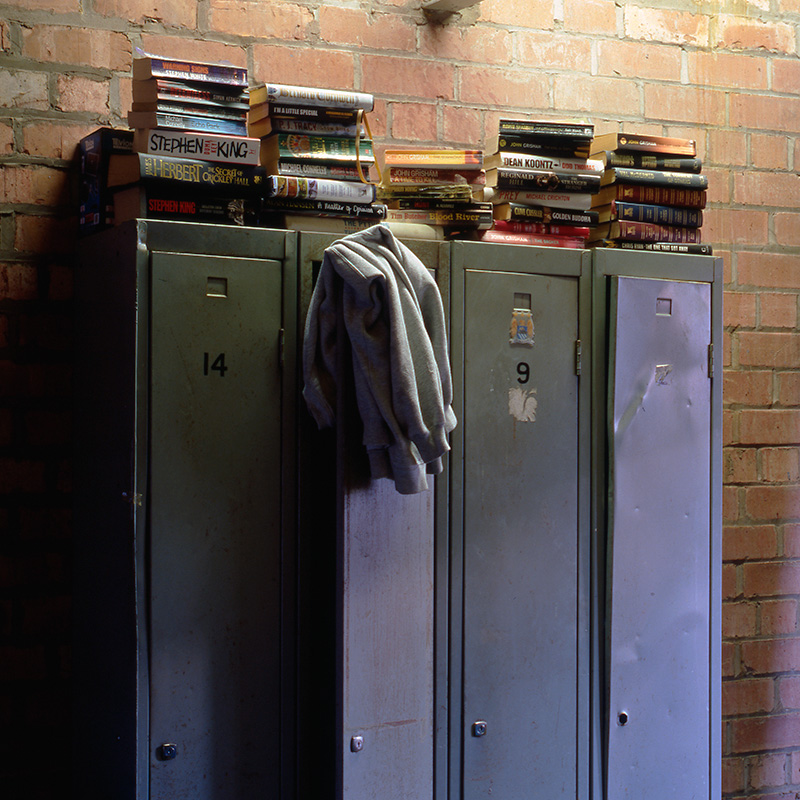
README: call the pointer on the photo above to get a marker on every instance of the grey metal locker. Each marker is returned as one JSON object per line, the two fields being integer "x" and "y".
{"x": 518, "y": 699}
{"x": 662, "y": 521}
{"x": 367, "y": 604}
{"x": 195, "y": 575}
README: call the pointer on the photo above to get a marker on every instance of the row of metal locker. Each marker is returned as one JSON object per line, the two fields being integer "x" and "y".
{"x": 256, "y": 618}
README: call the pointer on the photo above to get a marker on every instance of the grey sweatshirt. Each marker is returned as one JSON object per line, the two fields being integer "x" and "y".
{"x": 394, "y": 320}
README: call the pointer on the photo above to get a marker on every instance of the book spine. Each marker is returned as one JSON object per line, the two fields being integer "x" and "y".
{"x": 660, "y": 247}
{"x": 541, "y": 240}
{"x": 449, "y": 217}
{"x": 288, "y": 146}
{"x": 202, "y": 175}
{"x": 422, "y": 176}
{"x": 661, "y": 195}
{"x": 541, "y": 227}
{"x": 649, "y": 232}
{"x": 147, "y": 119}
{"x": 312, "y": 113}
{"x": 427, "y": 204}
{"x": 517, "y": 212}
{"x": 189, "y": 71}
{"x": 616, "y": 158}
{"x": 554, "y": 146}
{"x": 546, "y": 181}
{"x": 185, "y": 144}
{"x": 660, "y": 215}
{"x": 309, "y": 96}
{"x": 171, "y": 91}
{"x": 573, "y": 200}
{"x": 191, "y": 109}
{"x": 550, "y": 163}
{"x": 305, "y": 169}
{"x": 313, "y": 127}
{"x": 656, "y": 144}
{"x": 319, "y": 189}
{"x": 231, "y": 211}
{"x": 656, "y": 177}
{"x": 521, "y": 127}
{"x": 434, "y": 159}
{"x": 332, "y": 207}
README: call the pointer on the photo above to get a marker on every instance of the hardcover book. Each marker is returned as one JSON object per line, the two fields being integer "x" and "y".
{"x": 654, "y": 177}
{"x": 522, "y": 143}
{"x": 309, "y": 96}
{"x": 434, "y": 158}
{"x": 543, "y": 180}
{"x": 644, "y": 212}
{"x": 574, "y": 200}
{"x": 304, "y": 147}
{"x": 644, "y": 143}
{"x": 189, "y": 144}
{"x": 535, "y": 239}
{"x": 659, "y": 247}
{"x": 543, "y": 162}
{"x": 204, "y": 72}
{"x": 554, "y": 128}
{"x": 551, "y": 216}
{"x": 319, "y": 189}
{"x": 639, "y": 160}
{"x": 645, "y": 232}
{"x": 654, "y": 195}
{"x": 430, "y": 176}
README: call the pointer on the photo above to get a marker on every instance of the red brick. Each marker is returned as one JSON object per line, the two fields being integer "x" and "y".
{"x": 36, "y": 185}
{"x": 6, "y": 140}
{"x": 738, "y": 620}
{"x": 726, "y": 69}
{"x": 768, "y": 151}
{"x": 178, "y": 13}
{"x": 747, "y": 696}
{"x": 771, "y": 656}
{"x": 767, "y": 188}
{"x": 739, "y": 465}
{"x": 778, "y": 310}
{"x": 719, "y": 186}
{"x": 777, "y": 731}
{"x": 701, "y": 106}
{"x": 768, "y": 770}
{"x": 19, "y": 89}
{"x": 672, "y": 27}
{"x": 750, "y": 111}
{"x": 502, "y": 87}
{"x": 52, "y": 139}
{"x": 21, "y": 476}
{"x": 68, "y": 45}
{"x": 76, "y": 93}
{"x": 521, "y": 15}
{"x": 22, "y": 663}
{"x": 778, "y": 617}
{"x": 773, "y": 502}
{"x": 597, "y": 17}
{"x": 770, "y": 578}
{"x": 747, "y": 388}
{"x": 192, "y": 48}
{"x": 766, "y": 349}
{"x": 736, "y": 225}
{"x": 616, "y": 97}
{"x": 787, "y": 227}
{"x": 730, "y": 504}
{"x": 415, "y": 122}
{"x": 638, "y": 60}
{"x": 780, "y": 464}
{"x": 789, "y": 389}
{"x": 745, "y": 33}
{"x": 486, "y": 45}
{"x": 728, "y": 659}
{"x": 785, "y": 75}
{"x": 18, "y": 281}
{"x": 36, "y": 234}
{"x": 461, "y": 124}
{"x": 770, "y": 270}
{"x": 726, "y": 147}
{"x": 565, "y": 52}
{"x": 58, "y": 6}
{"x": 752, "y": 542}
{"x": 789, "y": 692}
{"x": 739, "y": 309}
{"x": 732, "y": 775}
{"x": 729, "y": 590}
{"x": 408, "y": 77}
{"x": 284, "y": 21}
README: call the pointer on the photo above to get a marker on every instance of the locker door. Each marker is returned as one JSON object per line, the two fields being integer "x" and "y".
{"x": 660, "y": 540}
{"x": 523, "y": 716}
{"x": 214, "y": 532}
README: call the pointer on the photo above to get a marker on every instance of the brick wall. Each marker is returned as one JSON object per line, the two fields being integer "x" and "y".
{"x": 725, "y": 72}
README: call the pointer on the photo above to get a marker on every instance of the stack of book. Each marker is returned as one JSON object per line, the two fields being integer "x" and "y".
{"x": 435, "y": 187}
{"x": 541, "y": 182}
{"x": 652, "y": 194}
{"x": 192, "y": 159}
{"x": 317, "y": 154}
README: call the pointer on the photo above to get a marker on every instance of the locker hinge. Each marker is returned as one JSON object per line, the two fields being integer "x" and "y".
{"x": 578, "y": 354}
{"x": 711, "y": 361}
{"x": 281, "y": 338}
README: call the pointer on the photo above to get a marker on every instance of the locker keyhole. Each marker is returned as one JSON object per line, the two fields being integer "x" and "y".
{"x": 622, "y": 718}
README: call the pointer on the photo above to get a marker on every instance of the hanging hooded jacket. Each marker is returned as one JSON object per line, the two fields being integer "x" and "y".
{"x": 394, "y": 321}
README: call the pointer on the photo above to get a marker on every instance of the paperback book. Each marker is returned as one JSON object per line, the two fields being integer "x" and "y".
{"x": 277, "y": 186}
{"x": 190, "y": 144}
{"x": 540, "y": 180}
{"x": 289, "y": 95}
{"x": 151, "y": 66}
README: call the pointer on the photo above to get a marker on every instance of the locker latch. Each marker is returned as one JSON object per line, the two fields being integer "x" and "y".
{"x": 479, "y": 728}
{"x": 578, "y": 354}
{"x": 711, "y": 361}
